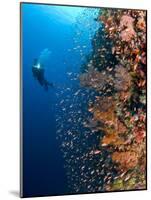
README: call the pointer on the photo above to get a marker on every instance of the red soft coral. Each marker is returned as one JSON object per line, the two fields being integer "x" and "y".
{"x": 126, "y": 21}
{"x": 127, "y": 34}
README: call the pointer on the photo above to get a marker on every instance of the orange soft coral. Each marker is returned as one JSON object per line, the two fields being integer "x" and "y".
{"x": 126, "y": 160}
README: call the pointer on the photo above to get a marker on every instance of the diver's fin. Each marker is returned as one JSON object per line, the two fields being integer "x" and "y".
{"x": 47, "y": 85}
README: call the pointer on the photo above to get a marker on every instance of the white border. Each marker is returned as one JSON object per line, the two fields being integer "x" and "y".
{"x": 9, "y": 97}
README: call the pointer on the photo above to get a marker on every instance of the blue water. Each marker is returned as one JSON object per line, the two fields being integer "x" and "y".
{"x": 49, "y": 33}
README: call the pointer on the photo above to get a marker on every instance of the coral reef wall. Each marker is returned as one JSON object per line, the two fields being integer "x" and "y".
{"x": 116, "y": 71}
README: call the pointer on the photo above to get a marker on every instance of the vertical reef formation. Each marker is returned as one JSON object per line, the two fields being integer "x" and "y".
{"x": 116, "y": 72}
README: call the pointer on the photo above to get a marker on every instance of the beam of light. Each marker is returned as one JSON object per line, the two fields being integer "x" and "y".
{"x": 65, "y": 14}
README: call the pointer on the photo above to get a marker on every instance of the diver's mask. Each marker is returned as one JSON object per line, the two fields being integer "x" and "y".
{"x": 37, "y": 66}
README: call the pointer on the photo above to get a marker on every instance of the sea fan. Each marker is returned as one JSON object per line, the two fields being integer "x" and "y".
{"x": 93, "y": 79}
{"x": 127, "y": 160}
{"x": 112, "y": 139}
{"x": 122, "y": 80}
{"x": 105, "y": 113}
{"x": 103, "y": 104}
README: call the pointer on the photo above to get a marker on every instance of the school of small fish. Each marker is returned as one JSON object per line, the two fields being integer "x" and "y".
{"x": 90, "y": 165}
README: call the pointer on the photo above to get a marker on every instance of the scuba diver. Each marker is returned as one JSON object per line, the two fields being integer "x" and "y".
{"x": 38, "y": 73}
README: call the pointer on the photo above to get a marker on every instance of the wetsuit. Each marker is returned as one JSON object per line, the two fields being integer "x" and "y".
{"x": 38, "y": 73}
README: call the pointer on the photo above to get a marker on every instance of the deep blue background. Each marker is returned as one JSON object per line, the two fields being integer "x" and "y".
{"x": 43, "y": 171}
